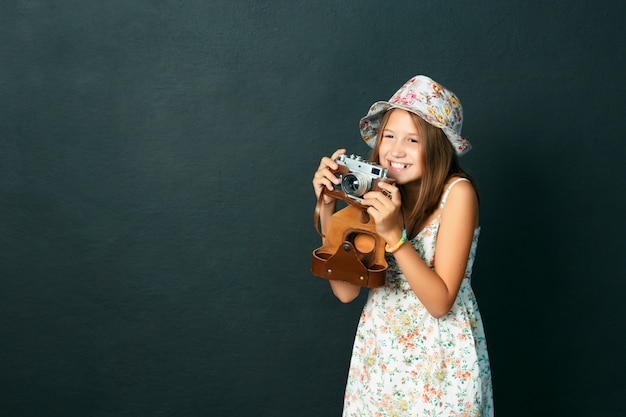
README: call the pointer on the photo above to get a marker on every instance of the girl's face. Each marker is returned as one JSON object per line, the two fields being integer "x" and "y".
{"x": 401, "y": 148}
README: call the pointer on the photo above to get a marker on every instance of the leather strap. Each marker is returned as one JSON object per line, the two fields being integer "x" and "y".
{"x": 316, "y": 215}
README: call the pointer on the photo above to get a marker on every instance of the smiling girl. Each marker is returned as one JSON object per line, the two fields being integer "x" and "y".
{"x": 420, "y": 347}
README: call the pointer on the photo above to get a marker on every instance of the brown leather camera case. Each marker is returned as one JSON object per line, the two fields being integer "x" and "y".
{"x": 352, "y": 250}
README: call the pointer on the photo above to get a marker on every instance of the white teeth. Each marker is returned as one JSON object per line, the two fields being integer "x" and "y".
{"x": 397, "y": 165}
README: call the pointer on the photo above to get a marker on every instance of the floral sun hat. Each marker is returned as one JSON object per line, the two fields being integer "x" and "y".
{"x": 431, "y": 101}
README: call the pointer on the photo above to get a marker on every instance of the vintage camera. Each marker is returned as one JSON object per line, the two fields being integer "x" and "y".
{"x": 352, "y": 250}
{"x": 357, "y": 178}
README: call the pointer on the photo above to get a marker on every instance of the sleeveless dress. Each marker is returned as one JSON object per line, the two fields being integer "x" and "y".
{"x": 407, "y": 363}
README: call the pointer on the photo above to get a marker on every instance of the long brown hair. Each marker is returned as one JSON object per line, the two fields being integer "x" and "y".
{"x": 440, "y": 164}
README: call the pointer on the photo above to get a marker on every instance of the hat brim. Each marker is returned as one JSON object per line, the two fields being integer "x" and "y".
{"x": 370, "y": 124}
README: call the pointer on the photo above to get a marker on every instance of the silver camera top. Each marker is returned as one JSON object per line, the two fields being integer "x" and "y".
{"x": 355, "y": 163}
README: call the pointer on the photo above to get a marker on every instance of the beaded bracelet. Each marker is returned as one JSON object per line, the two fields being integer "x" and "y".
{"x": 392, "y": 249}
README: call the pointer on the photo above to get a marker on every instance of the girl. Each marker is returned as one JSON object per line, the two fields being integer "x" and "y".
{"x": 420, "y": 348}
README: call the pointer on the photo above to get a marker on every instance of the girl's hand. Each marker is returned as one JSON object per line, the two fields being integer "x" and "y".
{"x": 385, "y": 208}
{"x": 325, "y": 178}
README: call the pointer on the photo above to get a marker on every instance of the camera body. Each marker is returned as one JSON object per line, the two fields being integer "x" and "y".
{"x": 358, "y": 177}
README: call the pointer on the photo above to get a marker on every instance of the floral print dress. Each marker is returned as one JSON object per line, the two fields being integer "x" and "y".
{"x": 407, "y": 363}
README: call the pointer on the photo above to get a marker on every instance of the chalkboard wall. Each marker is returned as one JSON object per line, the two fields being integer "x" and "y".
{"x": 156, "y": 205}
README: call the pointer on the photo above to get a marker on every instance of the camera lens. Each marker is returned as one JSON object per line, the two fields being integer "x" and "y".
{"x": 355, "y": 184}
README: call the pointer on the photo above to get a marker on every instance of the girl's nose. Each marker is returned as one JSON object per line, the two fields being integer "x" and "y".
{"x": 398, "y": 148}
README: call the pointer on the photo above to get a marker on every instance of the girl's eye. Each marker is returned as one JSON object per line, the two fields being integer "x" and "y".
{"x": 413, "y": 140}
{"x": 387, "y": 135}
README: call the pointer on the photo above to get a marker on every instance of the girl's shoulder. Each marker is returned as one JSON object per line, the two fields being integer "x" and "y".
{"x": 456, "y": 182}
{"x": 462, "y": 193}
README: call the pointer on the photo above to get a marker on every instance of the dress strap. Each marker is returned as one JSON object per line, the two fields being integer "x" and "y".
{"x": 445, "y": 195}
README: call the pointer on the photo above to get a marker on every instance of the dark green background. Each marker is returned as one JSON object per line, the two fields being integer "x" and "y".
{"x": 156, "y": 206}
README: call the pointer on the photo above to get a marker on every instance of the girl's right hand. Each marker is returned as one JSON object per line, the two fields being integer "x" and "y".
{"x": 324, "y": 177}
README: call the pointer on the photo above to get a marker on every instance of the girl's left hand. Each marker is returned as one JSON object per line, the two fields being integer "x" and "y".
{"x": 385, "y": 208}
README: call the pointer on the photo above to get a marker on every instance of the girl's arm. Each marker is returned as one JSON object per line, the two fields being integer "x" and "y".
{"x": 437, "y": 289}
{"x": 323, "y": 177}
